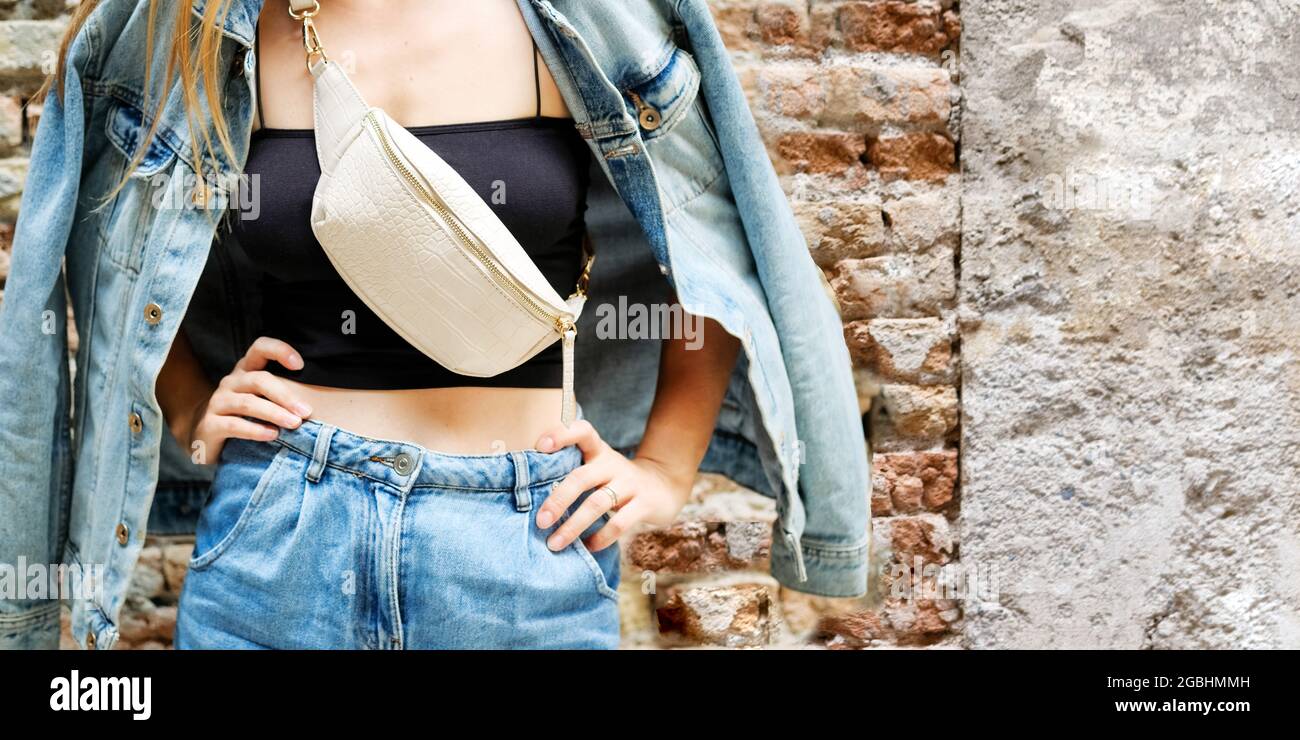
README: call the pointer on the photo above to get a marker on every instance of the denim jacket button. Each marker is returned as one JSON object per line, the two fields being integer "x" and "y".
{"x": 153, "y": 313}
{"x": 649, "y": 118}
{"x": 663, "y": 269}
{"x": 123, "y": 534}
{"x": 137, "y": 424}
{"x": 90, "y": 640}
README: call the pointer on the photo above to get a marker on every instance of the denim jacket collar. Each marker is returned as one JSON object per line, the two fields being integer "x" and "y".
{"x": 240, "y": 22}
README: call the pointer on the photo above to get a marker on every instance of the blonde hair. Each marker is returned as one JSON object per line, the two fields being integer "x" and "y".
{"x": 193, "y": 57}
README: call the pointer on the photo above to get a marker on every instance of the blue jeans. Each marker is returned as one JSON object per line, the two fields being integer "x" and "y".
{"x": 328, "y": 539}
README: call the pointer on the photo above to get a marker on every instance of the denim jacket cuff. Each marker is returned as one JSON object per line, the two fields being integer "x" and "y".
{"x": 33, "y": 629}
{"x": 829, "y": 569}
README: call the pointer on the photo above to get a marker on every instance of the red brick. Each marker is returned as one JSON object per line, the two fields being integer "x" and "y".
{"x": 6, "y": 248}
{"x": 11, "y": 123}
{"x": 156, "y": 624}
{"x": 780, "y": 24}
{"x": 871, "y": 97}
{"x": 927, "y": 537}
{"x": 902, "y": 350}
{"x": 702, "y": 547}
{"x": 895, "y": 26}
{"x": 33, "y": 116}
{"x": 771, "y": 28}
{"x": 824, "y": 152}
{"x": 921, "y": 413}
{"x": 841, "y": 229}
{"x": 732, "y": 616}
{"x": 792, "y": 92}
{"x": 733, "y": 24}
{"x": 910, "y": 482}
{"x": 918, "y": 623}
{"x": 858, "y": 629}
{"x": 917, "y": 156}
{"x": 895, "y": 285}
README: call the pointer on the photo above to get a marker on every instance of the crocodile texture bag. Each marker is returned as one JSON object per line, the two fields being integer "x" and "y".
{"x": 414, "y": 241}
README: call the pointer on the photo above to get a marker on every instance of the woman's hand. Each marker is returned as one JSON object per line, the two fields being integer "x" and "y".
{"x": 249, "y": 391}
{"x": 647, "y": 490}
{"x": 694, "y": 371}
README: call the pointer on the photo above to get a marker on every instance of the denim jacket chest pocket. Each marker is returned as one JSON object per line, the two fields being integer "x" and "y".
{"x": 675, "y": 126}
{"x": 123, "y": 230}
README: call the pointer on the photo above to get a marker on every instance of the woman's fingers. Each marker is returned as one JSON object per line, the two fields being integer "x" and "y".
{"x": 249, "y": 404}
{"x": 264, "y": 349}
{"x": 272, "y": 388}
{"x": 618, "y": 525}
{"x": 596, "y": 504}
{"x": 580, "y": 433}
{"x": 213, "y": 432}
{"x": 234, "y": 426}
{"x": 564, "y": 493}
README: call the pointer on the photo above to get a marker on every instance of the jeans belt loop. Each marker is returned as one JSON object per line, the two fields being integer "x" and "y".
{"x": 320, "y": 453}
{"x": 523, "y": 497}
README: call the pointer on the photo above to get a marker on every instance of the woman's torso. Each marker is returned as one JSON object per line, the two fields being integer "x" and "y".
{"x": 510, "y": 138}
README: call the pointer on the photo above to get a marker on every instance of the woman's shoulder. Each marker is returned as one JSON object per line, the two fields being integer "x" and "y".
{"x": 625, "y": 35}
{"x": 114, "y": 23}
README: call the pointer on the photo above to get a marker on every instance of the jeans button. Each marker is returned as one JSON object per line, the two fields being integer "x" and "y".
{"x": 123, "y": 534}
{"x": 403, "y": 463}
{"x": 153, "y": 314}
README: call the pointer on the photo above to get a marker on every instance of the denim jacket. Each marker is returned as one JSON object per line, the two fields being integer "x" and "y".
{"x": 688, "y": 201}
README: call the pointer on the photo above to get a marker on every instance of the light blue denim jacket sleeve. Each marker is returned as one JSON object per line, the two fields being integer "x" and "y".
{"x": 833, "y": 478}
{"x": 35, "y": 442}
{"x": 690, "y": 206}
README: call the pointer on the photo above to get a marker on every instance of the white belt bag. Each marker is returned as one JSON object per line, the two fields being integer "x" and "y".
{"x": 414, "y": 241}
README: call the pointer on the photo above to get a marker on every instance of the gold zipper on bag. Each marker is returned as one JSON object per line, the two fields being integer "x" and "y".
{"x": 471, "y": 243}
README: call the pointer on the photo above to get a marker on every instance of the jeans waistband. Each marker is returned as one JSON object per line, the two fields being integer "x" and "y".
{"x": 408, "y": 467}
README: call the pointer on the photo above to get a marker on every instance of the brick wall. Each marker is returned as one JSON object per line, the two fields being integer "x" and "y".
{"x": 858, "y": 106}
{"x": 858, "y": 103}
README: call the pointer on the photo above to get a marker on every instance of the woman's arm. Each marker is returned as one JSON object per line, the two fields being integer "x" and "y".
{"x": 181, "y": 388}
{"x": 693, "y": 378}
{"x": 654, "y": 486}
{"x": 198, "y": 412}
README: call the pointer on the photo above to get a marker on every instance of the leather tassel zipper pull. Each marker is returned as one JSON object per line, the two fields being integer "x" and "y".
{"x": 568, "y": 405}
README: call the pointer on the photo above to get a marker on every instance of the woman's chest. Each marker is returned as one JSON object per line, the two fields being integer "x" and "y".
{"x": 532, "y": 173}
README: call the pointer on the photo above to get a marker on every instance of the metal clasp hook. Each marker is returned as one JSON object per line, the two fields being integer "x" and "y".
{"x": 310, "y": 39}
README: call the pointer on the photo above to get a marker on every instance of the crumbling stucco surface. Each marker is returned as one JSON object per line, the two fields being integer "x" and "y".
{"x": 1130, "y": 322}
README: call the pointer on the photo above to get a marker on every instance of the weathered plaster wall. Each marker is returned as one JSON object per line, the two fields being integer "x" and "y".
{"x": 1130, "y": 320}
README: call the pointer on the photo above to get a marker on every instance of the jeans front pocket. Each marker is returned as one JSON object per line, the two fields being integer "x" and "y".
{"x": 604, "y": 564}
{"x": 605, "y": 573}
{"x": 242, "y": 480}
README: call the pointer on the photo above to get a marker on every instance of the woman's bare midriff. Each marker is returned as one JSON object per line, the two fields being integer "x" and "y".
{"x": 460, "y": 421}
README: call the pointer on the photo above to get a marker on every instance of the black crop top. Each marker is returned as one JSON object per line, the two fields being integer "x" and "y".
{"x": 532, "y": 172}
